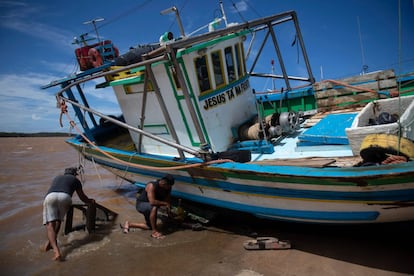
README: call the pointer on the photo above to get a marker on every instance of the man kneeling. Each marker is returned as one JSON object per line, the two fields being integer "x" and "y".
{"x": 156, "y": 194}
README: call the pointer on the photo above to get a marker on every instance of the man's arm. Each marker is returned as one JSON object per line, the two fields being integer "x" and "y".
{"x": 83, "y": 197}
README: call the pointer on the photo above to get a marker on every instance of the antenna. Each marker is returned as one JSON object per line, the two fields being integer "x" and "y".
{"x": 177, "y": 15}
{"x": 224, "y": 14}
{"x": 364, "y": 66}
{"x": 93, "y": 21}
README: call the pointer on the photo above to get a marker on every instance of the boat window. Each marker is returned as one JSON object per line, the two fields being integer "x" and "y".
{"x": 202, "y": 73}
{"x": 217, "y": 68}
{"x": 240, "y": 60}
{"x": 231, "y": 73}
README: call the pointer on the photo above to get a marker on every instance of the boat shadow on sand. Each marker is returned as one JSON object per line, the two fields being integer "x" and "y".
{"x": 382, "y": 246}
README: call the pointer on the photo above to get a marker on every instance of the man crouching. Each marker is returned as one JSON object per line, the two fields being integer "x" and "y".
{"x": 156, "y": 194}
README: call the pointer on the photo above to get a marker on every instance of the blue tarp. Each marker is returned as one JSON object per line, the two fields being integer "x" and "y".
{"x": 328, "y": 131}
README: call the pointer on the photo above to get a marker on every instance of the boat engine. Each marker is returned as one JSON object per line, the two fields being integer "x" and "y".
{"x": 273, "y": 126}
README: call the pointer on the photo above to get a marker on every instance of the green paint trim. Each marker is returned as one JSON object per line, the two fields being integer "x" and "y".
{"x": 180, "y": 98}
{"x": 195, "y": 101}
{"x": 211, "y": 42}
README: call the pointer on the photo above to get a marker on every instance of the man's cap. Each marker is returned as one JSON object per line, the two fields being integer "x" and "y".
{"x": 169, "y": 178}
{"x": 72, "y": 170}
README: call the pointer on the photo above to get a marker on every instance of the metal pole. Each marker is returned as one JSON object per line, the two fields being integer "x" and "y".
{"x": 279, "y": 56}
{"x": 259, "y": 52}
{"x": 85, "y": 102}
{"x": 302, "y": 45}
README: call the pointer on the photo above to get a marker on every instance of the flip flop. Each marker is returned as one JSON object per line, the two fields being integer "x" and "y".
{"x": 124, "y": 229}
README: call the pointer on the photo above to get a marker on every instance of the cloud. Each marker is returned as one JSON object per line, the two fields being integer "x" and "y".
{"x": 24, "y": 18}
{"x": 31, "y": 109}
{"x": 26, "y": 107}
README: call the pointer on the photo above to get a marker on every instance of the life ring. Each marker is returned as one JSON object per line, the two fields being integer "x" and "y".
{"x": 83, "y": 63}
{"x": 376, "y": 147}
{"x": 95, "y": 57}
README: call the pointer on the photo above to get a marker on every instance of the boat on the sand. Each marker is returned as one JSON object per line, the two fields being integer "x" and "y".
{"x": 189, "y": 109}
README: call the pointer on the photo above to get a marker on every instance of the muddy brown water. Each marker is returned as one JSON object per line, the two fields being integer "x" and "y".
{"x": 28, "y": 165}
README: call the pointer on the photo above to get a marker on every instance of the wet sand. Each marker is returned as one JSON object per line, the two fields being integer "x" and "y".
{"x": 29, "y": 164}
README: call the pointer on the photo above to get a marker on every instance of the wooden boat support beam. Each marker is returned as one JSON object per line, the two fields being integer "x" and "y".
{"x": 187, "y": 97}
{"x": 143, "y": 110}
{"x": 124, "y": 125}
{"x": 164, "y": 110}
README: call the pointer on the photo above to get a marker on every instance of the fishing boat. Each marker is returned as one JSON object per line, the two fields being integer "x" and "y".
{"x": 304, "y": 153}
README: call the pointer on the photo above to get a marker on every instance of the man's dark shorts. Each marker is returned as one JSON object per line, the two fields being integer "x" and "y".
{"x": 145, "y": 209}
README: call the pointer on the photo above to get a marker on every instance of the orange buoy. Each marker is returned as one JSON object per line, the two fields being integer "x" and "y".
{"x": 95, "y": 57}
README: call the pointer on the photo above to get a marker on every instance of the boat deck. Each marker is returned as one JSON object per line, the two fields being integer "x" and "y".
{"x": 286, "y": 152}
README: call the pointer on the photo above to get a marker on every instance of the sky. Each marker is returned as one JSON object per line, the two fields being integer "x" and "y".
{"x": 36, "y": 43}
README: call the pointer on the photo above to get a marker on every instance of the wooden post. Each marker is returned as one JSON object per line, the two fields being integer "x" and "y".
{"x": 69, "y": 220}
{"x": 90, "y": 217}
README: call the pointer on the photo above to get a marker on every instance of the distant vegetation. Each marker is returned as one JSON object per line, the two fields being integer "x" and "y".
{"x": 39, "y": 134}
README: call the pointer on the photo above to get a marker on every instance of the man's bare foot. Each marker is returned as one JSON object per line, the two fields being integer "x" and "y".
{"x": 47, "y": 246}
{"x": 57, "y": 257}
{"x": 125, "y": 228}
{"x": 157, "y": 235}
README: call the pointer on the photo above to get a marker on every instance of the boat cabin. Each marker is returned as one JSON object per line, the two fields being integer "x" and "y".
{"x": 218, "y": 86}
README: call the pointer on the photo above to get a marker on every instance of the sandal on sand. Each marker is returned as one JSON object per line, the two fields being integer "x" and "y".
{"x": 125, "y": 230}
{"x": 157, "y": 236}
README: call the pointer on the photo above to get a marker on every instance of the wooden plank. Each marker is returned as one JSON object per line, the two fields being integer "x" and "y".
{"x": 371, "y": 85}
{"x": 339, "y": 90}
{"x": 354, "y": 91}
{"x": 356, "y": 80}
{"x": 346, "y": 100}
